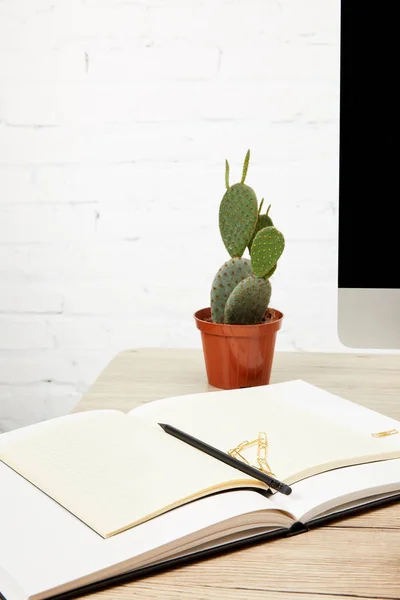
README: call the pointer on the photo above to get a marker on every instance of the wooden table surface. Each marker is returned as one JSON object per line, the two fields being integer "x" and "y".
{"x": 355, "y": 558}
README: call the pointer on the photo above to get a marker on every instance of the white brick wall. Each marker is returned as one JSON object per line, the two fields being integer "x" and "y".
{"x": 115, "y": 121}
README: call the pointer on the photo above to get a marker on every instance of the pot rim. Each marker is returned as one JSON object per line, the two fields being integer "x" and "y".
{"x": 223, "y": 329}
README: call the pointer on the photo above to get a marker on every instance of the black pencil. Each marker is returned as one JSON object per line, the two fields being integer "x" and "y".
{"x": 273, "y": 483}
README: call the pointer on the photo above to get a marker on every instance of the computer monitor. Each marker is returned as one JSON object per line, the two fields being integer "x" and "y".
{"x": 369, "y": 178}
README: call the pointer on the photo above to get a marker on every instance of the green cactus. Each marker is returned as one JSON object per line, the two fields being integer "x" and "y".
{"x": 227, "y": 278}
{"x": 267, "y": 248}
{"x": 262, "y": 221}
{"x": 238, "y": 213}
{"x": 241, "y": 289}
{"x": 248, "y": 302}
{"x": 271, "y": 272}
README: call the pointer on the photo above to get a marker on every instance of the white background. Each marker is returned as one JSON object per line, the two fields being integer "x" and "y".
{"x": 116, "y": 117}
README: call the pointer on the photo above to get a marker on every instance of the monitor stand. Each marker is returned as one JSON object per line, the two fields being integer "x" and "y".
{"x": 369, "y": 318}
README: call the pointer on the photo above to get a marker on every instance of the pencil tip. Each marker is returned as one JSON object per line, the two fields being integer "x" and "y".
{"x": 162, "y": 425}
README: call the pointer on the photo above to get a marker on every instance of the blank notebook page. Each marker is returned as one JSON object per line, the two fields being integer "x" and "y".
{"x": 308, "y": 430}
{"x": 108, "y": 471}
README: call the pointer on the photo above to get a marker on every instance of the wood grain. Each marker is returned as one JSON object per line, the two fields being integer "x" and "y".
{"x": 165, "y": 591}
{"x": 357, "y": 562}
{"x": 324, "y": 561}
{"x": 137, "y": 376}
{"x": 356, "y": 557}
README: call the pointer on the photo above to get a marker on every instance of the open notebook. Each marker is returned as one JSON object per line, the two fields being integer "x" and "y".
{"x": 100, "y": 494}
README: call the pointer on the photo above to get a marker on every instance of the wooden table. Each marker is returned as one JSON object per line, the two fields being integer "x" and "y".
{"x": 358, "y": 557}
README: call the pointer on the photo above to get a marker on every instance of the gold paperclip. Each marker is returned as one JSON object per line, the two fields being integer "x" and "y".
{"x": 262, "y": 447}
{"x": 384, "y": 433}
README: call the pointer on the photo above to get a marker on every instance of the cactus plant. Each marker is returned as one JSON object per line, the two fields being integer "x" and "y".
{"x": 267, "y": 248}
{"x": 262, "y": 221}
{"x": 238, "y": 213}
{"x": 248, "y": 301}
{"x": 227, "y": 278}
{"x": 241, "y": 289}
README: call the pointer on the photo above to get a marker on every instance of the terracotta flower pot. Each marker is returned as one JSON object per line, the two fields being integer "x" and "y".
{"x": 238, "y": 356}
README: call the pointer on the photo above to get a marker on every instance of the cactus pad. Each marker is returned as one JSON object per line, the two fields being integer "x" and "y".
{"x": 248, "y": 302}
{"x": 227, "y": 278}
{"x": 226, "y": 174}
{"x": 238, "y": 214}
{"x": 266, "y": 250}
{"x": 263, "y": 221}
{"x": 271, "y": 272}
{"x": 245, "y": 166}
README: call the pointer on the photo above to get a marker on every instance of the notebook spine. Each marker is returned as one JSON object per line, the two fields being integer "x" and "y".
{"x": 297, "y": 528}
{"x": 355, "y": 510}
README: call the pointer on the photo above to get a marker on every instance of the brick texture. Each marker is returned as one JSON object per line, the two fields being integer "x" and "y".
{"x": 115, "y": 121}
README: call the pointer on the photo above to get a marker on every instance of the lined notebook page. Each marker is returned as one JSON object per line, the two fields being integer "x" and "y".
{"x": 308, "y": 430}
{"x": 111, "y": 472}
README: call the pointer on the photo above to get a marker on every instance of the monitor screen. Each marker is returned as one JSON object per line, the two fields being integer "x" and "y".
{"x": 368, "y": 173}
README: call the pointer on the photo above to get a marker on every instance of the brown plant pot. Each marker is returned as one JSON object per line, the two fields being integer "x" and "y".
{"x": 238, "y": 356}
